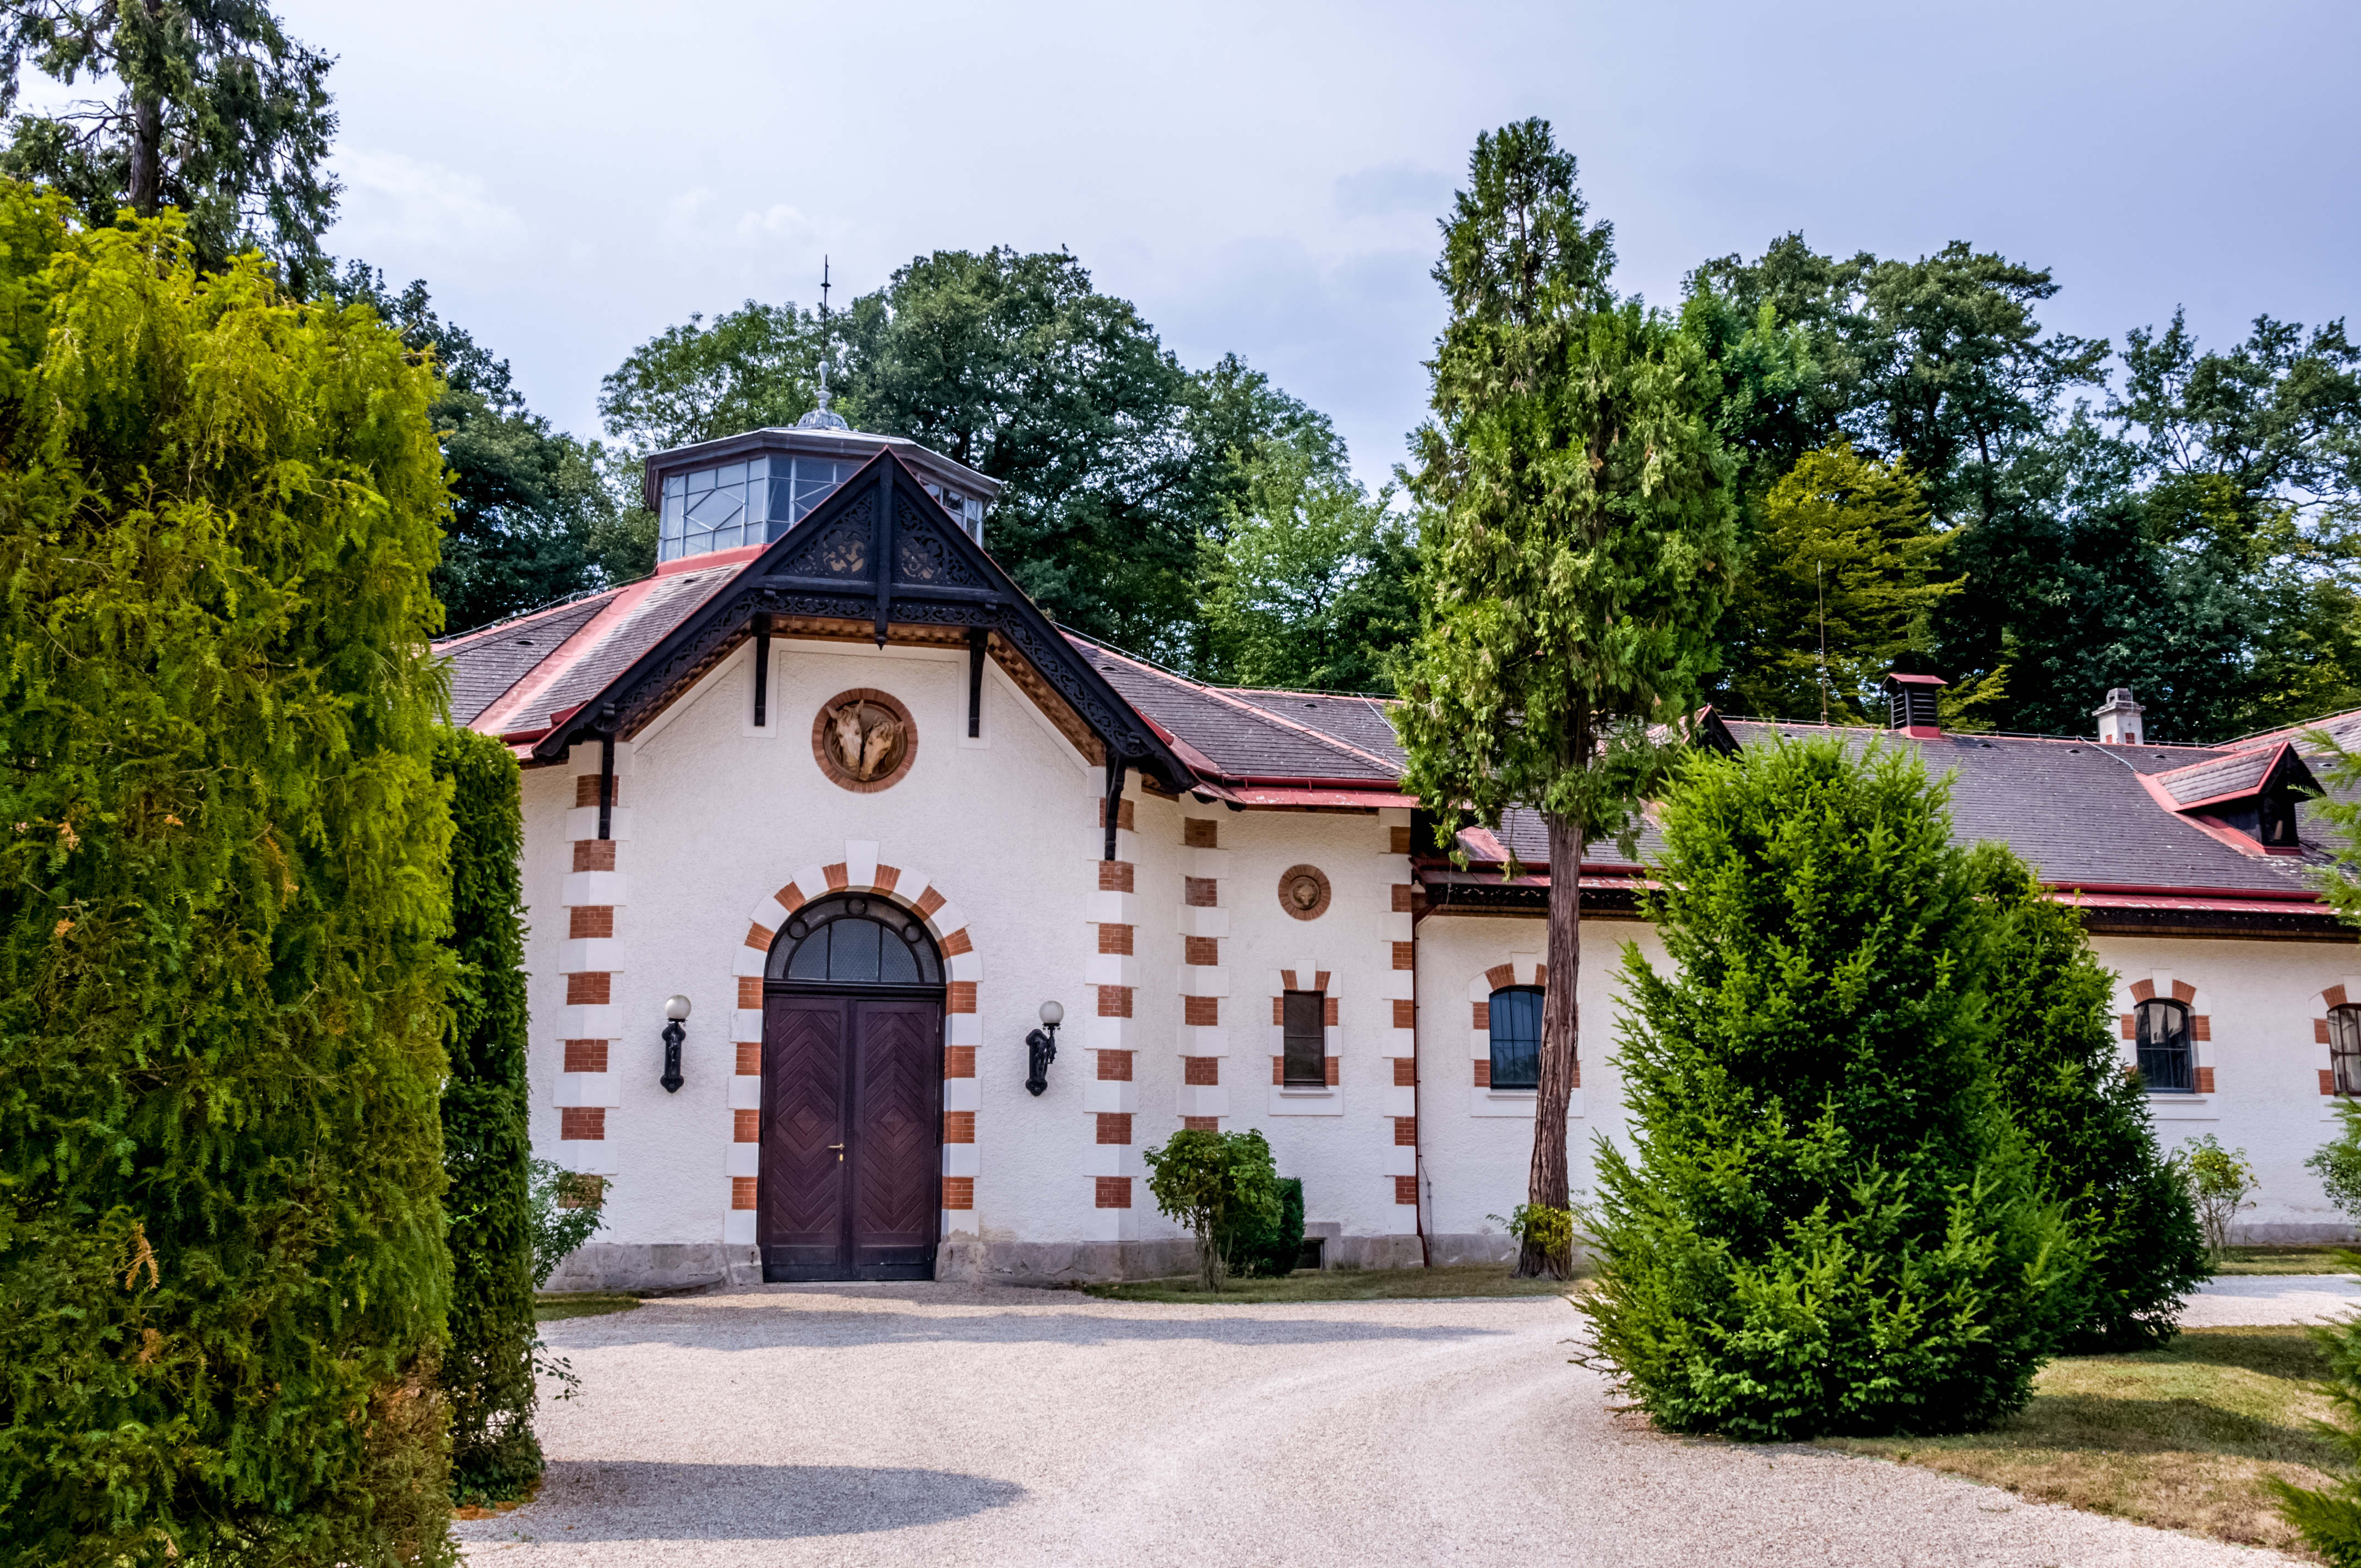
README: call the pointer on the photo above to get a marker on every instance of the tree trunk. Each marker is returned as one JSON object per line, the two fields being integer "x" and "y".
{"x": 1547, "y": 1184}
{"x": 147, "y": 154}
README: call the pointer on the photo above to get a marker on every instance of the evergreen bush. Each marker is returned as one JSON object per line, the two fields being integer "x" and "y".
{"x": 2330, "y": 1517}
{"x": 487, "y": 1365}
{"x": 221, "y": 890}
{"x": 1271, "y": 1251}
{"x": 1828, "y": 1223}
{"x": 2059, "y": 1071}
{"x": 1222, "y": 1186}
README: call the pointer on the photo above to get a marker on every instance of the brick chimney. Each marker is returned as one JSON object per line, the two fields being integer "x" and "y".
{"x": 1910, "y": 704}
{"x": 2119, "y": 719}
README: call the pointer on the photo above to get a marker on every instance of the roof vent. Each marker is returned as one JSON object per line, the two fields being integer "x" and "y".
{"x": 1910, "y": 704}
{"x": 2119, "y": 719}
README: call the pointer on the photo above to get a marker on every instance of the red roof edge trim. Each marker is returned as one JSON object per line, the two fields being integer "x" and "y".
{"x": 2142, "y": 890}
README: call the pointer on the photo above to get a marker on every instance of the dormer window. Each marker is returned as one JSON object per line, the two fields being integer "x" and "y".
{"x": 2252, "y": 792}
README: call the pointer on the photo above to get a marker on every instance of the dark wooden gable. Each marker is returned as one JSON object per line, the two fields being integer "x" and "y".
{"x": 879, "y": 549}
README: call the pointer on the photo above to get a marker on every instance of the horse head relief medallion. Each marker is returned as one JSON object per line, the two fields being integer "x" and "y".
{"x": 863, "y": 739}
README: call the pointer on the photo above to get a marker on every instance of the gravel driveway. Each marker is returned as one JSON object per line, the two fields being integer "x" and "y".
{"x": 943, "y": 1424}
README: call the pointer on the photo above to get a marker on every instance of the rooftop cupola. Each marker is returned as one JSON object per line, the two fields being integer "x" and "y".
{"x": 1910, "y": 704}
{"x": 2119, "y": 719}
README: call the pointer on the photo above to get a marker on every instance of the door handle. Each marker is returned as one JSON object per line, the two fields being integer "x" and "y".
{"x": 839, "y": 1152}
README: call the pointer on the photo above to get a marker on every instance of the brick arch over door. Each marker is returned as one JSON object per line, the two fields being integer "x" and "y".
{"x": 863, "y": 869}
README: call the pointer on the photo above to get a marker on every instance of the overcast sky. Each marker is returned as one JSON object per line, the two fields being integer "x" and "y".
{"x": 572, "y": 178}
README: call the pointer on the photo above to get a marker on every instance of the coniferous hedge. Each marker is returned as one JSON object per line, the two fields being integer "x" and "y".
{"x": 488, "y": 1374}
{"x": 1828, "y": 1223}
{"x": 221, "y": 1267}
{"x": 2059, "y": 1070}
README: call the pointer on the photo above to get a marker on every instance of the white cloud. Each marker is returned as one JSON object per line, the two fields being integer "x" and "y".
{"x": 401, "y": 207}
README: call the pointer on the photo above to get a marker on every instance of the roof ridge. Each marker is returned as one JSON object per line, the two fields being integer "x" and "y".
{"x": 1225, "y": 696}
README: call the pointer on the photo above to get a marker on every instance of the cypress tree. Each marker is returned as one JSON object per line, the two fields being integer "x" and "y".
{"x": 221, "y": 1267}
{"x": 1828, "y": 1223}
{"x": 487, "y": 1366}
{"x": 2059, "y": 1071}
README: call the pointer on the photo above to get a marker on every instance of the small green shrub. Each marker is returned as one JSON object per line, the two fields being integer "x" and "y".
{"x": 568, "y": 1208}
{"x": 1537, "y": 1225}
{"x": 1272, "y": 1250}
{"x": 1828, "y": 1223}
{"x": 2337, "y": 1162}
{"x": 2220, "y": 1181}
{"x": 1222, "y": 1186}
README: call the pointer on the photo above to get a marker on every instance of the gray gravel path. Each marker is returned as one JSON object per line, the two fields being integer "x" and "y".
{"x": 2236, "y": 1299}
{"x": 941, "y": 1424}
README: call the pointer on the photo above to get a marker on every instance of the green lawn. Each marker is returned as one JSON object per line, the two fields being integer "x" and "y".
{"x": 2179, "y": 1438}
{"x": 1344, "y": 1285}
{"x": 2286, "y": 1259}
{"x": 551, "y": 1305}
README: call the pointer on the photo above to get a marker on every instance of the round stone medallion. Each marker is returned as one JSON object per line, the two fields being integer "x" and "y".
{"x": 1303, "y": 892}
{"x": 865, "y": 739}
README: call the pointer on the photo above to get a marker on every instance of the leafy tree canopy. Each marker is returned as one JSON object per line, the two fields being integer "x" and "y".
{"x": 211, "y": 108}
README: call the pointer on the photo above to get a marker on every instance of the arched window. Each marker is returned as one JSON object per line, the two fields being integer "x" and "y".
{"x": 1516, "y": 1017}
{"x": 853, "y": 938}
{"x": 2166, "y": 1061}
{"x": 2344, "y": 1047}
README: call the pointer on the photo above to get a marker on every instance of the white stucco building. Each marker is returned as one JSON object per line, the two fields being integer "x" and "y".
{"x": 830, "y": 776}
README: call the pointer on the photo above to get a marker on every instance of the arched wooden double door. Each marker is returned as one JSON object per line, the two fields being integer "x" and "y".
{"x": 852, "y": 1076}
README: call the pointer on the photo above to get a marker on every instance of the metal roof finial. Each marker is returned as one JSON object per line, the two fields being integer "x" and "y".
{"x": 820, "y": 418}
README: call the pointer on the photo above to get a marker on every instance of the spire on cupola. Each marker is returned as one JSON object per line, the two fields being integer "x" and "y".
{"x": 821, "y": 418}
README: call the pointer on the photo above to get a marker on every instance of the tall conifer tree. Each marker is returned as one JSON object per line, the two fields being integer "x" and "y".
{"x": 1578, "y": 553}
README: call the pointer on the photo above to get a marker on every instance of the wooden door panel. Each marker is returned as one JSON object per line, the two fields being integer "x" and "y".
{"x": 897, "y": 1105}
{"x": 801, "y": 1222}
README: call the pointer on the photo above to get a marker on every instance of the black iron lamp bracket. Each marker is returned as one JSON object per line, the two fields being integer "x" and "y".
{"x": 1041, "y": 1049}
{"x": 673, "y": 1036}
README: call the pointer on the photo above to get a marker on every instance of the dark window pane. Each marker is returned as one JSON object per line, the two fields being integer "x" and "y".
{"x": 2344, "y": 1047}
{"x": 895, "y": 963}
{"x": 853, "y": 951}
{"x": 810, "y": 961}
{"x": 1516, "y": 1015}
{"x": 1306, "y": 1050}
{"x": 2165, "y": 1059}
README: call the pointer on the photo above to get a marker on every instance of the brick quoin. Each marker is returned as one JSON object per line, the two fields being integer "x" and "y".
{"x": 1502, "y": 975}
{"x": 2131, "y": 1025}
{"x": 1405, "y": 1013}
{"x": 2183, "y": 992}
{"x": 790, "y": 898}
{"x": 1201, "y": 1070}
{"x": 957, "y": 943}
{"x": 1484, "y": 1015}
{"x": 594, "y": 854}
{"x": 1115, "y": 938}
{"x": 1404, "y": 955}
{"x": 2204, "y": 1081}
{"x": 959, "y": 996}
{"x": 749, "y": 992}
{"x": 1114, "y": 1192}
{"x": 1279, "y": 1069}
{"x": 1405, "y": 1132}
{"x": 746, "y": 1126}
{"x": 959, "y": 1061}
{"x": 1483, "y": 1074}
{"x": 1114, "y": 1066}
{"x": 586, "y": 790}
{"x": 594, "y": 990}
{"x": 1328, "y": 1012}
{"x": 1202, "y": 952}
{"x": 958, "y": 1126}
{"x": 959, "y": 1192}
{"x": 1115, "y": 1001}
{"x": 930, "y": 901}
{"x": 1114, "y": 876}
{"x": 760, "y": 937}
{"x": 741, "y": 1192}
{"x": 887, "y": 877}
{"x": 1200, "y": 1123}
{"x": 1405, "y": 1071}
{"x": 1335, "y": 1067}
{"x": 2143, "y": 990}
{"x": 586, "y": 1056}
{"x": 1115, "y": 1127}
{"x": 836, "y": 876}
{"x": 1123, "y": 816}
{"x": 1402, "y": 898}
{"x": 1200, "y": 832}
{"x": 1406, "y": 1191}
{"x": 582, "y": 1122}
{"x": 1397, "y": 840}
{"x": 749, "y": 1058}
{"x": 1279, "y": 1010}
{"x": 1201, "y": 892}
{"x": 586, "y": 920}
{"x": 2200, "y": 1026}
{"x": 1204, "y": 1010}
{"x": 2333, "y": 996}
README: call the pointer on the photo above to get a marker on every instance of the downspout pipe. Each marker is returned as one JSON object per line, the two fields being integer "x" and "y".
{"x": 1417, "y": 1073}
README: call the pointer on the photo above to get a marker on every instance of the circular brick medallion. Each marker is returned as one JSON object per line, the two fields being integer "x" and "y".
{"x": 863, "y": 739}
{"x": 1303, "y": 892}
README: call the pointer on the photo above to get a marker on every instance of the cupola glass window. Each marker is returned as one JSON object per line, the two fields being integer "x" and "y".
{"x": 751, "y": 502}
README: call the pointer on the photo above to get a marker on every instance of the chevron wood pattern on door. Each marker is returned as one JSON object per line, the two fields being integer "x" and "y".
{"x": 801, "y": 1227}
{"x": 895, "y": 1128}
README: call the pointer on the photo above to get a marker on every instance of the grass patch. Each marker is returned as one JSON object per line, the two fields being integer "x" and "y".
{"x": 2286, "y": 1259}
{"x": 2179, "y": 1438}
{"x": 1343, "y": 1285}
{"x": 548, "y": 1306}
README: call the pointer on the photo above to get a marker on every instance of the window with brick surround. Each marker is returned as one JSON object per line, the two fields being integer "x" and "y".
{"x": 1515, "y": 1019}
{"x": 1306, "y": 1049}
{"x": 2168, "y": 1063}
{"x": 2344, "y": 1047}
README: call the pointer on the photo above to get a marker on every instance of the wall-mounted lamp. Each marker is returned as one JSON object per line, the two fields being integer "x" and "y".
{"x": 1042, "y": 1048}
{"x": 676, "y": 1013}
